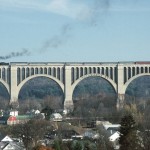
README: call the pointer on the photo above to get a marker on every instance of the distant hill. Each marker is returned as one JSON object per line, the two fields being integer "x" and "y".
{"x": 39, "y": 88}
{"x": 140, "y": 87}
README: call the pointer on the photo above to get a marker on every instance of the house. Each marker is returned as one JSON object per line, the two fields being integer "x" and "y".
{"x": 8, "y": 120}
{"x": 114, "y": 138}
{"x": 112, "y": 128}
{"x": 113, "y": 133}
{"x": 13, "y": 146}
{"x": 65, "y": 112}
{"x": 13, "y": 113}
{"x": 10, "y": 113}
{"x": 7, "y": 143}
{"x": 56, "y": 117}
{"x": 33, "y": 112}
{"x": 6, "y": 139}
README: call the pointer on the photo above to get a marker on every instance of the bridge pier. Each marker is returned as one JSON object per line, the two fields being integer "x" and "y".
{"x": 120, "y": 87}
{"x": 68, "y": 103}
{"x": 120, "y": 101}
{"x": 13, "y": 85}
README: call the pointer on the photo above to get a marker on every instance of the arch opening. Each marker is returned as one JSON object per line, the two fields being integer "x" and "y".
{"x": 94, "y": 96}
{"x": 138, "y": 92}
{"x": 40, "y": 92}
{"x": 4, "y": 97}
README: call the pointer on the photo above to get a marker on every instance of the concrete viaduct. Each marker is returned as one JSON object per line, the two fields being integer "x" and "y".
{"x": 67, "y": 75}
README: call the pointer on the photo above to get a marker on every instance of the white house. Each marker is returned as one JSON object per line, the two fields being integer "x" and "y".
{"x": 13, "y": 146}
{"x": 6, "y": 139}
{"x": 13, "y": 113}
{"x": 7, "y": 143}
{"x": 114, "y": 138}
{"x": 114, "y": 134}
{"x": 56, "y": 117}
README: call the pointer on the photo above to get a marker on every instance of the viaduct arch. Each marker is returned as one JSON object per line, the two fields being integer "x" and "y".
{"x": 113, "y": 84}
{"x": 133, "y": 78}
{"x": 119, "y": 74}
{"x": 5, "y": 85}
{"x": 39, "y": 75}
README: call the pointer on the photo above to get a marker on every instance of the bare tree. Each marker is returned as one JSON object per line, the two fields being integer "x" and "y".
{"x": 54, "y": 102}
{"x": 29, "y": 104}
{"x": 31, "y": 132}
{"x": 4, "y": 103}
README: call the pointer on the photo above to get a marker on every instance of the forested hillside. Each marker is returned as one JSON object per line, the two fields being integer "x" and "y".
{"x": 140, "y": 87}
{"x": 41, "y": 87}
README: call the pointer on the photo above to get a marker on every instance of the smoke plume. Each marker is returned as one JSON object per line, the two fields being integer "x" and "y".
{"x": 24, "y": 52}
{"x": 93, "y": 14}
{"x": 57, "y": 40}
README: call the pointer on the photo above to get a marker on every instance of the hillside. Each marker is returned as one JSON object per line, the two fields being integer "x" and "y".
{"x": 94, "y": 86}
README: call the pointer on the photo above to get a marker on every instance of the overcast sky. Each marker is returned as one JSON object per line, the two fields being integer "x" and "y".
{"x": 74, "y": 30}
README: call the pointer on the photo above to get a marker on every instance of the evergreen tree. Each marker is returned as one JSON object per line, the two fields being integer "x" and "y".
{"x": 57, "y": 145}
{"x": 77, "y": 146}
{"x": 129, "y": 138}
{"x": 47, "y": 111}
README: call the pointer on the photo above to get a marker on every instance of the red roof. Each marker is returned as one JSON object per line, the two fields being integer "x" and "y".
{"x": 12, "y": 118}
